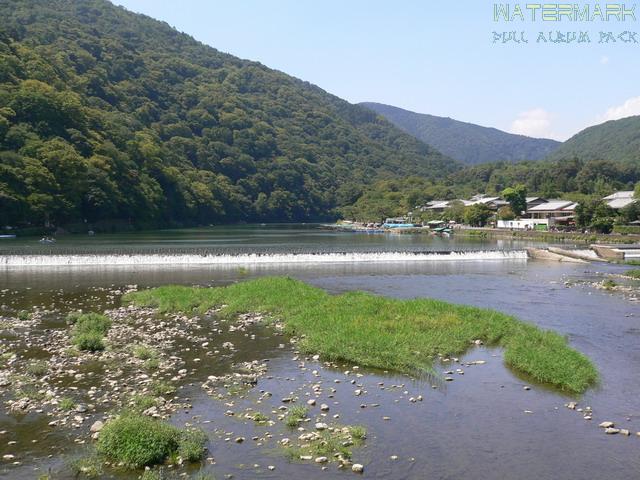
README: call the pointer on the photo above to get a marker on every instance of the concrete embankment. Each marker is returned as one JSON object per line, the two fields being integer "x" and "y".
{"x": 544, "y": 254}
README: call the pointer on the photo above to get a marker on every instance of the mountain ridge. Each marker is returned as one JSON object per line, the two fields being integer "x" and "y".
{"x": 614, "y": 140}
{"x": 464, "y": 141}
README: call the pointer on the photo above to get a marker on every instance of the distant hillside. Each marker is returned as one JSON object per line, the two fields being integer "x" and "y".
{"x": 616, "y": 140}
{"x": 106, "y": 114}
{"x": 466, "y": 142}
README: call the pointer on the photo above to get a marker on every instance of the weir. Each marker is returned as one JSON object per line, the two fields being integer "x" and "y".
{"x": 10, "y": 261}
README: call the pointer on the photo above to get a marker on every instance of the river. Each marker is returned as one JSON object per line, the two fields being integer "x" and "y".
{"x": 484, "y": 424}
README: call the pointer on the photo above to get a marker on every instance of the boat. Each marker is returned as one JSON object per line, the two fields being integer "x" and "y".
{"x": 443, "y": 231}
{"x": 7, "y": 236}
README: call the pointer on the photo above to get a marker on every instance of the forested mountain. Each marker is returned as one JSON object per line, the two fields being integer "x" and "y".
{"x": 106, "y": 114}
{"x": 616, "y": 140}
{"x": 466, "y": 142}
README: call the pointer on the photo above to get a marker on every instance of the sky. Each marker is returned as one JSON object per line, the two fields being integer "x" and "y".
{"x": 431, "y": 56}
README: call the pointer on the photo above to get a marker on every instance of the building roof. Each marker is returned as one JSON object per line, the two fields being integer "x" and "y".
{"x": 552, "y": 206}
{"x": 620, "y": 202}
{"x": 533, "y": 199}
{"x": 618, "y": 195}
{"x": 437, "y": 204}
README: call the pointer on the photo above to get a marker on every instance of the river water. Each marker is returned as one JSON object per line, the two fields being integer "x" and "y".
{"x": 484, "y": 424}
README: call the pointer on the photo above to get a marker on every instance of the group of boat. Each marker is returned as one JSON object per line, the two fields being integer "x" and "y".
{"x": 387, "y": 227}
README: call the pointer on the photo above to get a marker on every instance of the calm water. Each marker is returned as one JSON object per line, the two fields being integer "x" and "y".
{"x": 473, "y": 427}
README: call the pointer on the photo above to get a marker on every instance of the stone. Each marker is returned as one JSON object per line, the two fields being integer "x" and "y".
{"x": 606, "y": 425}
{"x": 321, "y": 426}
{"x": 324, "y": 407}
{"x": 357, "y": 468}
{"x": 96, "y": 426}
{"x": 311, "y": 402}
{"x": 321, "y": 460}
{"x": 611, "y": 431}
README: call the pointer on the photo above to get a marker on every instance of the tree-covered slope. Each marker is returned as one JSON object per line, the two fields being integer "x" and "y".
{"x": 616, "y": 140}
{"x": 106, "y": 114}
{"x": 466, "y": 142}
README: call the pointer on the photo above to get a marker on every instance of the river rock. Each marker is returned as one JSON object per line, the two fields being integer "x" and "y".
{"x": 357, "y": 468}
{"x": 611, "y": 431}
{"x": 606, "y": 425}
{"x": 321, "y": 426}
{"x": 96, "y": 426}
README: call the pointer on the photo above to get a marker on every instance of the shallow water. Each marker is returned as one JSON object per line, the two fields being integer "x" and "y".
{"x": 473, "y": 427}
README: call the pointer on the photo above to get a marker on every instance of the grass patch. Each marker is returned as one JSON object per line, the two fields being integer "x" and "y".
{"x": 140, "y": 403}
{"x": 66, "y": 403}
{"x": 161, "y": 388}
{"x": 608, "y": 284}
{"x": 334, "y": 443}
{"x": 89, "y": 330}
{"x": 635, "y": 273}
{"x": 295, "y": 415}
{"x": 23, "y": 315}
{"x": 137, "y": 441}
{"x": 374, "y": 331}
{"x": 191, "y": 445}
{"x": 90, "y": 466}
{"x": 143, "y": 352}
{"x": 37, "y": 368}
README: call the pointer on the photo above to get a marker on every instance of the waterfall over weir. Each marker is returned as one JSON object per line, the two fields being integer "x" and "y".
{"x": 57, "y": 260}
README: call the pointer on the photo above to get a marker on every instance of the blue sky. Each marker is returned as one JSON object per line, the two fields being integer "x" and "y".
{"x": 429, "y": 56}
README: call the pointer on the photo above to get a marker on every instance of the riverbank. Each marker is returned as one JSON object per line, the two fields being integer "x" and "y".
{"x": 406, "y": 336}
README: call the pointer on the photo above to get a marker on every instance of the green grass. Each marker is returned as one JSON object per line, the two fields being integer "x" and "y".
{"x": 23, "y": 315}
{"x": 37, "y": 368}
{"x": 608, "y": 284}
{"x": 191, "y": 445}
{"x": 89, "y": 330}
{"x": 295, "y": 415}
{"x": 635, "y": 273}
{"x": 137, "y": 441}
{"x": 66, "y": 403}
{"x": 332, "y": 444}
{"x": 161, "y": 388}
{"x": 90, "y": 466}
{"x": 374, "y": 331}
{"x": 139, "y": 403}
{"x": 144, "y": 352}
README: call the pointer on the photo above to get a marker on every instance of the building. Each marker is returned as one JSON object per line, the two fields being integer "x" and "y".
{"x": 553, "y": 212}
{"x": 535, "y": 201}
{"x": 620, "y": 200}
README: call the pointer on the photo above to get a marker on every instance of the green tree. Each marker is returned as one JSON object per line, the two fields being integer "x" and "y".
{"x": 517, "y": 198}
{"x": 477, "y": 215}
{"x": 454, "y": 212}
{"x": 506, "y": 213}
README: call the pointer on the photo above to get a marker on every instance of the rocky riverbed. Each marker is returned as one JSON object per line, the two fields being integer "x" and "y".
{"x": 266, "y": 408}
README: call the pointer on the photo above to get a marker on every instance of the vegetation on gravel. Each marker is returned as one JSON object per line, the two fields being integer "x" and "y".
{"x": 89, "y": 330}
{"x": 138, "y": 441}
{"x": 374, "y": 331}
{"x": 635, "y": 273}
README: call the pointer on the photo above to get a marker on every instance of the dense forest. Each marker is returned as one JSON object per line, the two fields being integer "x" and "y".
{"x": 466, "y": 142}
{"x": 616, "y": 140}
{"x": 106, "y": 114}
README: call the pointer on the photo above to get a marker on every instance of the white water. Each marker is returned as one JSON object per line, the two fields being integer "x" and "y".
{"x": 253, "y": 259}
